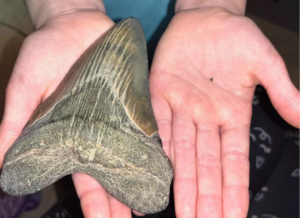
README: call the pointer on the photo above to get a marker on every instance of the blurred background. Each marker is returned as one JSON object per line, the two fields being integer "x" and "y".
{"x": 279, "y": 21}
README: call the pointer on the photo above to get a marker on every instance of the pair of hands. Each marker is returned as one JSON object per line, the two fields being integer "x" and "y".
{"x": 204, "y": 125}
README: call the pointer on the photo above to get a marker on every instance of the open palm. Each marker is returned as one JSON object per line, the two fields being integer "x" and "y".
{"x": 204, "y": 124}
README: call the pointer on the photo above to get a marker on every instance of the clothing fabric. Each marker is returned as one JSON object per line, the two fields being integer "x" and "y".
{"x": 154, "y": 15}
{"x": 13, "y": 207}
{"x": 274, "y": 163}
{"x": 150, "y": 13}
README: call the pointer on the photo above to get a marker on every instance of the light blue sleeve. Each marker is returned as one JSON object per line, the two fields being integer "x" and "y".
{"x": 154, "y": 15}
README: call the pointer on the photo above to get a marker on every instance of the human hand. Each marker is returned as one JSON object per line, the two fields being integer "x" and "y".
{"x": 44, "y": 59}
{"x": 205, "y": 125}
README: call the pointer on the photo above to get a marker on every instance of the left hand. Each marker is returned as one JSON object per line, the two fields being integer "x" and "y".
{"x": 44, "y": 59}
{"x": 205, "y": 125}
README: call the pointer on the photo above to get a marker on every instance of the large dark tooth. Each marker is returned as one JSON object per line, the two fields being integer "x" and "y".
{"x": 98, "y": 121}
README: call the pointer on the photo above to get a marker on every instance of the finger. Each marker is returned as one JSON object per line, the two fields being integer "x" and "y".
{"x": 162, "y": 112}
{"x": 93, "y": 197}
{"x": 283, "y": 94}
{"x": 185, "y": 184}
{"x": 138, "y": 213}
{"x": 235, "y": 168}
{"x": 163, "y": 115}
{"x": 209, "y": 177}
{"x": 21, "y": 100}
{"x": 117, "y": 209}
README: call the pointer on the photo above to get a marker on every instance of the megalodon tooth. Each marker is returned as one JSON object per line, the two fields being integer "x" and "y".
{"x": 98, "y": 121}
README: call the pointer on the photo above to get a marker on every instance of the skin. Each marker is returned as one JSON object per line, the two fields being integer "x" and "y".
{"x": 204, "y": 125}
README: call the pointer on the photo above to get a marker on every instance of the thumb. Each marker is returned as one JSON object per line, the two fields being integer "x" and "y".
{"x": 281, "y": 91}
{"x": 21, "y": 100}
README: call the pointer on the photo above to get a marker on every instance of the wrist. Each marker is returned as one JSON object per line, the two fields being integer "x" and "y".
{"x": 43, "y": 11}
{"x": 235, "y": 6}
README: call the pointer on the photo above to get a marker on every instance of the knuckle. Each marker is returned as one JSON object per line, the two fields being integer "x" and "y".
{"x": 13, "y": 133}
{"x": 87, "y": 193}
{"x": 210, "y": 161}
{"x": 185, "y": 179}
{"x": 207, "y": 127}
{"x": 18, "y": 85}
{"x": 216, "y": 199}
{"x": 183, "y": 143}
{"x": 237, "y": 187}
{"x": 236, "y": 156}
{"x": 9, "y": 130}
{"x": 163, "y": 123}
{"x": 286, "y": 104}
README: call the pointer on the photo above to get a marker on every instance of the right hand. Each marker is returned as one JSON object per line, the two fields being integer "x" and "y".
{"x": 205, "y": 125}
{"x": 44, "y": 59}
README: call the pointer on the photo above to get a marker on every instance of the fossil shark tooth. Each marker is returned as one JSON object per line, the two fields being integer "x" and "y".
{"x": 98, "y": 121}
